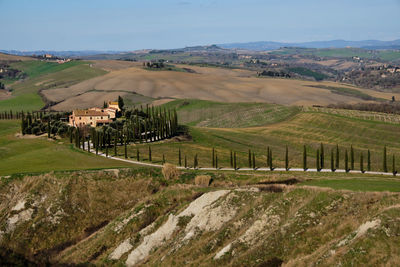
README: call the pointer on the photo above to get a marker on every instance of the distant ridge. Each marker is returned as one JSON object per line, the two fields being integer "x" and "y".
{"x": 266, "y": 45}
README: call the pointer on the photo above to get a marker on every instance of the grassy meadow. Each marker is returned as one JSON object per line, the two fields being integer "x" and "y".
{"x": 36, "y": 155}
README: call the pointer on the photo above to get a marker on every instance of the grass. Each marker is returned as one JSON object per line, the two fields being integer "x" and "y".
{"x": 348, "y": 92}
{"x": 307, "y": 72}
{"x": 45, "y": 75}
{"x": 304, "y": 128}
{"x": 229, "y": 115}
{"x": 19, "y": 155}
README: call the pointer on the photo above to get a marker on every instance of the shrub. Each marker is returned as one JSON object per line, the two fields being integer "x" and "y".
{"x": 170, "y": 172}
{"x": 36, "y": 130}
{"x": 202, "y": 180}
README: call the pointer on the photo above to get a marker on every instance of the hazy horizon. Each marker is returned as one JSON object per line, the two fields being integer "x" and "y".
{"x": 123, "y": 25}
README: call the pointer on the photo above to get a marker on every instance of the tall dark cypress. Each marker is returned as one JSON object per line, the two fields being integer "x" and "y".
{"x": 268, "y": 160}
{"x": 271, "y": 167}
{"x": 150, "y": 154}
{"x": 48, "y": 128}
{"x": 394, "y": 171}
{"x": 185, "y": 162}
{"x": 254, "y": 161}
{"x": 322, "y": 163}
{"x": 346, "y": 161}
{"x": 213, "y": 157}
{"x": 231, "y": 159}
{"x": 88, "y": 144}
{"x": 317, "y": 161}
{"x": 337, "y": 157}
{"x": 137, "y": 154}
{"x": 351, "y": 157}
{"x": 125, "y": 147}
{"x": 216, "y": 160}
{"x": 234, "y": 161}
{"x": 304, "y": 158}
{"x": 195, "y": 162}
{"x": 332, "y": 161}
{"x": 385, "y": 169}
{"x": 287, "y": 158}
{"x": 97, "y": 142}
{"x": 250, "y": 159}
{"x": 179, "y": 157}
{"x": 369, "y": 161}
{"x": 362, "y": 162}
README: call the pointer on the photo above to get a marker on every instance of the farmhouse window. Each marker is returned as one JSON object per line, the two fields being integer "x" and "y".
{"x": 90, "y": 118}
{"x": 80, "y": 118}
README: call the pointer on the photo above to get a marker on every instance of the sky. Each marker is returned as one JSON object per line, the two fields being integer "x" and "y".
{"x": 126, "y": 25}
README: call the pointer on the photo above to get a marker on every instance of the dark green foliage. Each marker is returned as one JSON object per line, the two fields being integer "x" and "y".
{"x": 287, "y": 158}
{"x": 121, "y": 103}
{"x": 216, "y": 160}
{"x": 213, "y": 157}
{"x": 195, "y": 161}
{"x": 369, "y": 161}
{"x": 231, "y": 159}
{"x": 332, "y": 161}
{"x": 351, "y": 157}
{"x": 254, "y": 161}
{"x": 318, "y": 161}
{"x": 337, "y": 157}
{"x": 318, "y": 76}
{"x": 137, "y": 154}
{"x": 234, "y": 161}
{"x": 394, "y": 171}
{"x": 48, "y": 129}
{"x": 270, "y": 160}
{"x": 304, "y": 158}
{"x": 185, "y": 162}
{"x": 346, "y": 161}
{"x": 362, "y": 163}
{"x": 126, "y": 149}
{"x": 180, "y": 157}
{"x": 250, "y": 158}
{"x": 322, "y": 155}
{"x": 150, "y": 154}
{"x": 385, "y": 169}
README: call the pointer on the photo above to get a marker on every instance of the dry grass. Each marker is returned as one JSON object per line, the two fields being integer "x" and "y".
{"x": 208, "y": 84}
{"x": 8, "y": 57}
{"x": 202, "y": 180}
{"x": 170, "y": 172}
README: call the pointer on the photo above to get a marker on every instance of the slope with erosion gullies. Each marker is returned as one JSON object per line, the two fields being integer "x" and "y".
{"x": 215, "y": 84}
{"x": 132, "y": 217}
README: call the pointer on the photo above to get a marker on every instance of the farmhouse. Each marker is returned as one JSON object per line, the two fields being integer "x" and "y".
{"x": 89, "y": 117}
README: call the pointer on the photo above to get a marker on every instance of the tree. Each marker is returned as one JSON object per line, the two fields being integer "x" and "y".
{"x": 318, "y": 161}
{"x": 254, "y": 161}
{"x": 337, "y": 156}
{"x": 249, "y": 158}
{"x": 362, "y": 163}
{"x": 195, "y": 162}
{"x": 213, "y": 157}
{"x": 234, "y": 161}
{"x": 121, "y": 103}
{"x": 369, "y": 161}
{"x": 268, "y": 156}
{"x": 322, "y": 163}
{"x": 231, "y": 159}
{"x": 385, "y": 169}
{"x": 137, "y": 154}
{"x": 270, "y": 160}
{"x": 332, "y": 161}
{"x": 104, "y": 104}
{"x": 287, "y": 158}
{"x": 149, "y": 153}
{"x": 346, "y": 161}
{"x": 351, "y": 157}
{"x": 216, "y": 160}
{"x": 48, "y": 128}
{"x": 304, "y": 158}
{"x": 185, "y": 162}
{"x": 180, "y": 157}
{"x": 394, "y": 166}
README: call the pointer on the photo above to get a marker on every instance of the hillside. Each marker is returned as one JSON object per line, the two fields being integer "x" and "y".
{"x": 206, "y": 83}
{"x": 67, "y": 218}
{"x": 9, "y": 57}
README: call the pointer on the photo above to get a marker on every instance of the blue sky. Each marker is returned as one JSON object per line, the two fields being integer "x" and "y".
{"x": 130, "y": 25}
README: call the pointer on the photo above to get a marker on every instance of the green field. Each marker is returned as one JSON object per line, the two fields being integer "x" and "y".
{"x": 45, "y": 75}
{"x": 32, "y": 155}
{"x": 310, "y": 128}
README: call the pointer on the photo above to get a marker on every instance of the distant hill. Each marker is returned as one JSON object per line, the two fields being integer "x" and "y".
{"x": 8, "y": 57}
{"x": 367, "y": 44}
{"x": 59, "y": 53}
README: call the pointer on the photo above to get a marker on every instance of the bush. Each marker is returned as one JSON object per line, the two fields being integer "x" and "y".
{"x": 170, "y": 172}
{"x": 28, "y": 130}
{"x": 36, "y": 130}
{"x": 202, "y": 180}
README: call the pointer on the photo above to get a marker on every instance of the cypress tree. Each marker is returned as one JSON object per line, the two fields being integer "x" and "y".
{"x": 234, "y": 161}
{"x": 185, "y": 162}
{"x": 322, "y": 155}
{"x": 394, "y": 166}
{"x": 115, "y": 145}
{"x": 369, "y": 161}
{"x": 216, "y": 160}
{"x": 70, "y": 135}
{"x": 83, "y": 142}
{"x": 48, "y": 128}
{"x": 268, "y": 154}
{"x": 346, "y": 161}
{"x": 180, "y": 157}
{"x": 270, "y": 160}
{"x": 149, "y": 153}
{"x": 195, "y": 162}
{"x": 97, "y": 143}
{"x": 362, "y": 163}
{"x": 106, "y": 151}
{"x": 317, "y": 161}
{"x": 213, "y": 157}
{"x": 287, "y": 158}
{"x": 304, "y": 158}
{"x": 88, "y": 144}
{"x": 137, "y": 154}
{"x": 125, "y": 147}
{"x": 254, "y": 161}
{"x": 231, "y": 159}
{"x": 332, "y": 161}
{"x": 249, "y": 158}
{"x": 337, "y": 156}
{"x": 352, "y": 157}
{"x": 385, "y": 169}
